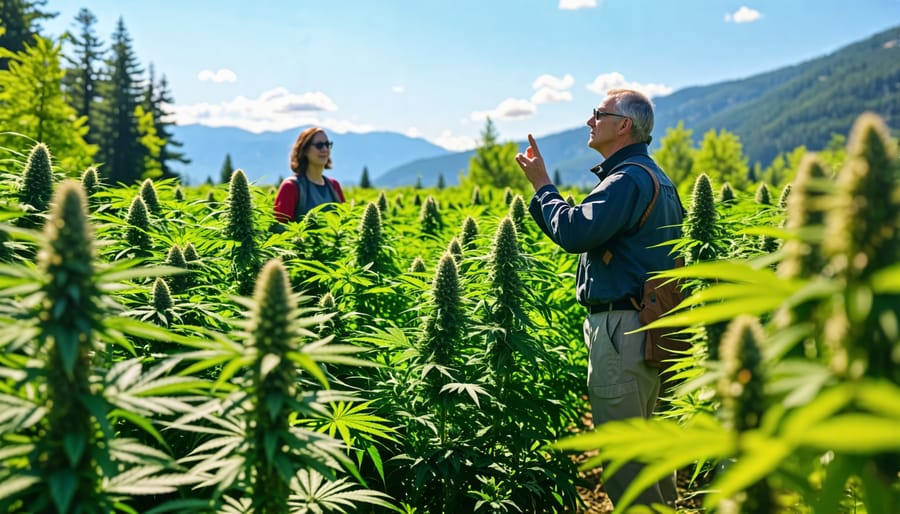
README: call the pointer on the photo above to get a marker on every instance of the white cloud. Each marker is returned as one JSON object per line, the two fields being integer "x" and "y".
{"x": 743, "y": 15}
{"x": 572, "y": 5}
{"x": 547, "y": 95}
{"x": 222, "y": 75}
{"x": 412, "y": 132}
{"x": 398, "y": 89}
{"x": 509, "y": 109}
{"x": 552, "y": 82}
{"x": 615, "y": 80}
{"x": 276, "y": 109}
{"x": 454, "y": 143}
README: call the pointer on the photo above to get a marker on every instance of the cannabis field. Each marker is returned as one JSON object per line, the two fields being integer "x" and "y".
{"x": 420, "y": 351}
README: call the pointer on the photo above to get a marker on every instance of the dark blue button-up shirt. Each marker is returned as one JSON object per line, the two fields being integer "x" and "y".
{"x": 617, "y": 256}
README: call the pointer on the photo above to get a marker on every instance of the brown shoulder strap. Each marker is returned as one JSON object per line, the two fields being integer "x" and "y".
{"x": 649, "y": 208}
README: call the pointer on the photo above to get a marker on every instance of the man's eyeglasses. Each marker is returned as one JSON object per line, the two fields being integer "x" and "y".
{"x": 599, "y": 114}
{"x": 323, "y": 144}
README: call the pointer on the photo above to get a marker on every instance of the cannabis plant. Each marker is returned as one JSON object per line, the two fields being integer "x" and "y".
{"x": 430, "y": 217}
{"x": 137, "y": 234}
{"x": 700, "y": 223}
{"x": 36, "y": 186}
{"x": 369, "y": 243}
{"x": 240, "y": 230}
{"x": 469, "y": 233}
{"x": 150, "y": 197}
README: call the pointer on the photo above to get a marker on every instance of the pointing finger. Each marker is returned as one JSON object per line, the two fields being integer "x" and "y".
{"x": 533, "y": 148}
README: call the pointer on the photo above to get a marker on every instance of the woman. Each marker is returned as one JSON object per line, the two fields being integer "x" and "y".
{"x": 309, "y": 187}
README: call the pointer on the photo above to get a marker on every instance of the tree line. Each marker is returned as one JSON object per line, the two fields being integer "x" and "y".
{"x": 88, "y": 101}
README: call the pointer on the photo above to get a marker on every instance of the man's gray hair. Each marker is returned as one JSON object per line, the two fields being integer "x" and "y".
{"x": 639, "y": 108}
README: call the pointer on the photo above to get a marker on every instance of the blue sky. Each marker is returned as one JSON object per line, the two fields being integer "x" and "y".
{"x": 436, "y": 69}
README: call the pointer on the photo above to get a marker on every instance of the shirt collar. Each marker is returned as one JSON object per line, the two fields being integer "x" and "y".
{"x": 603, "y": 169}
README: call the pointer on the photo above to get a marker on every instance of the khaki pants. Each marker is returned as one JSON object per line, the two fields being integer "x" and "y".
{"x": 621, "y": 386}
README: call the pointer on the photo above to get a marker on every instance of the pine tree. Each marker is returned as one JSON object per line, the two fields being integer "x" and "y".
{"x": 82, "y": 79}
{"x": 364, "y": 182}
{"x": 121, "y": 151}
{"x": 33, "y": 104}
{"x": 151, "y": 144}
{"x": 20, "y": 19}
{"x": 227, "y": 170}
{"x": 494, "y": 164}
{"x": 441, "y": 184}
{"x": 156, "y": 99}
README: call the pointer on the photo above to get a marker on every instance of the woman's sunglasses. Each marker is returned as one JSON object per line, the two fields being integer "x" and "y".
{"x": 323, "y": 144}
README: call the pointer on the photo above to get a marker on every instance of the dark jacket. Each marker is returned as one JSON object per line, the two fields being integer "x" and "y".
{"x": 616, "y": 256}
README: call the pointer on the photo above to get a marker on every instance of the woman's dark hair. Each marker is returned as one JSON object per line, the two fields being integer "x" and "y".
{"x": 299, "y": 162}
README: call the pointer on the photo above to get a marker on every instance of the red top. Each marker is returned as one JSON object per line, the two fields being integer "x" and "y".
{"x": 286, "y": 198}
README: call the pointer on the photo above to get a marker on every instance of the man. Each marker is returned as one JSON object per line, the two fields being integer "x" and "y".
{"x": 617, "y": 255}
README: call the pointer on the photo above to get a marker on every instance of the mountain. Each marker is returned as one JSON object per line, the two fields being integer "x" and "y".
{"x": 264, "y": 157}
{"x": 777, "y": 111}
{"x": 773, "y": 112}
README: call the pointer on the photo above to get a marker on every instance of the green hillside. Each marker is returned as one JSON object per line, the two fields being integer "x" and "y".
{"x": 772, "y": 112}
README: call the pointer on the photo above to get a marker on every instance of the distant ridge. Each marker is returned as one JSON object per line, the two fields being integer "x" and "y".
{"x": 264, "y": 157}
{"x": 777, "y": 111}
{"x": 772, "y": 112}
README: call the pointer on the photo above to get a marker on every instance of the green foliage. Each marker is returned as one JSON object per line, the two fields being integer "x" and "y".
{"x": 34, "y": 105}
{"x": 494, "y": 164}
{"x": 81, "y": 81}
{"x": 676, "y": 154}
{"x": 152, "y": 145}
{"x": 793, "y": 385}
{"x": 20, "y": 24}
{"x": 721, "y": 155}
{"x": 122, "y": 151}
